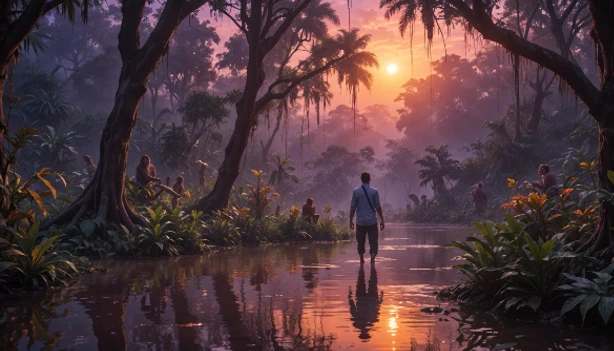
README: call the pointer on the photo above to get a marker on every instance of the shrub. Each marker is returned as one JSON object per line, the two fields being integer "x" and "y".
{"x": 35, "y": 263}
{"x": 590, "y": 294}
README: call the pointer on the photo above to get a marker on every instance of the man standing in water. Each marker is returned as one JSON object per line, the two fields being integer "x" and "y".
{"x": 365, "y": 203}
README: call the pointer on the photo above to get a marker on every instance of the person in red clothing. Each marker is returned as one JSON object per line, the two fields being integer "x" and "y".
{"x": 548, "y": 179}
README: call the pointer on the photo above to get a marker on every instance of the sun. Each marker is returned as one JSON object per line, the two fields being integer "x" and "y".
{"x": 392, "y": 68}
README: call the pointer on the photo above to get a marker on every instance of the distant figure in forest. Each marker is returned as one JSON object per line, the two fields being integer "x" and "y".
{"x": 168, "y": 180}
{"x": 365, "y": 204}
{"x": 90, "y": 166}
{"x": 146, "y": 172}
{"x": 548, "y": 179}
{"x": 309, "y": 211}
{"x": 201, "y": 173}
{"x": 479, "y": 198}
{"x": 178, "y": 188}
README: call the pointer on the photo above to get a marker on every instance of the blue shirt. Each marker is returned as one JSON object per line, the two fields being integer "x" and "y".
{"x": 365, "y": 216}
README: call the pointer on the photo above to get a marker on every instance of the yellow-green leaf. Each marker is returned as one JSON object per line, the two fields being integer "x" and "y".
{"x": 34, "y": 195}
{"x": 49, "y": 186}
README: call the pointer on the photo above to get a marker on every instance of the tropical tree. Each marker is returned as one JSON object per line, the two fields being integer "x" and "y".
{"x": 353, "y": 73}
{"x": 480, "y": 17}
{"x": 336, "y": 170}
{"x": 264, "y": 23}
{"x": 203, "y": 112}
{"x": 54, "y": 151}
{"x": 48, "y": 108}
{"x": 18, "y": 21}
{"x": 174, "y": 147}
{"x": 437, "y": 168}
{"x": 190, "y": 65}
{"x": 282, "y": 170}
{"x": 105, "y": 196}
{"x": 399, "y": 165}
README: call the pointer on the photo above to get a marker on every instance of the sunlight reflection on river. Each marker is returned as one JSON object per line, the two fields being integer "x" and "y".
{"x": 287, "y": 297}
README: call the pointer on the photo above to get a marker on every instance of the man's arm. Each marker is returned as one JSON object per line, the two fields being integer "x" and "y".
{"x": 152, "y": 177}
{"x": 538, "y": 185}
{"x": 353, "y": 210}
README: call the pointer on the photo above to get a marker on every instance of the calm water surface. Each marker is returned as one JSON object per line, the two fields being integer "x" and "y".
{"x": 291, "y": 297}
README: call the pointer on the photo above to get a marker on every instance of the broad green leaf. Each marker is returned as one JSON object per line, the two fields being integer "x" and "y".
{"x": 589, "y": 302}
{"x": 534, "y": 302}
{"x": 611, "y": 176}
{"x": 571, "y": 303}
{"x": 606, "y": 307}
{"x": 87, "y": 227}
{"x": 535, "y": 250}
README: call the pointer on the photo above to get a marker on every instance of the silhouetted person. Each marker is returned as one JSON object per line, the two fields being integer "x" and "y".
{"x": 146, "y": 172}
{"x": 201, "y": 173}
{"x": 365, "y": 203}
{"x": 90, "y": 166}
{"x": 168, "y": 180}
{"x": 479, "y": 199}
{"x": 364, "y": 308}
{"x": 309, "y": 211}
{"x": 548, "y": 179}
{"x": 178, "y": 188}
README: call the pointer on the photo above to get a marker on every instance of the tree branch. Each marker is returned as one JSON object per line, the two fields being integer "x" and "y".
{"x": 19, "y": 30}
{"x": 173, "y": 13}
{"x": 129, "y": 34}
{"x": 51, "y": 5}
{"x": 269, "y": 42}
{"x": 270, "y": 95}
{"x": 240, "y": 26}
{"x": 567, "y": 70}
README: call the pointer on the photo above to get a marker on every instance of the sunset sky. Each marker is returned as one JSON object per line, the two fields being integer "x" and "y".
{"x": 386, "y": 43}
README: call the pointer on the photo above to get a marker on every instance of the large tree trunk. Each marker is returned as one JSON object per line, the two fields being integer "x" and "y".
{"x": 246, "y": 117}
{"x": 602, "y": 241}
{"x": 536, "y": 114}
{"x": 3, "y": 124}
{"x": 104, "y": 197}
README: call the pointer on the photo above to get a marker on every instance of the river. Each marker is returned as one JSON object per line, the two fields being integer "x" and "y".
{"x": 312, "y": 296}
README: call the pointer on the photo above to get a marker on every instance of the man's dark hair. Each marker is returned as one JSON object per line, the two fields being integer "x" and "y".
{"x": 365, "y": 177}
{"x": 144, "y": 157}
{"x": 545, "y": 167}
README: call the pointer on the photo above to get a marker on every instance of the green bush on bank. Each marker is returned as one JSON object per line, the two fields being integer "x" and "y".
{"x": 529, "y": 264}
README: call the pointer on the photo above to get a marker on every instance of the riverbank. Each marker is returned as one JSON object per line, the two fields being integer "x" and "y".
{"x": 36, "y": 259}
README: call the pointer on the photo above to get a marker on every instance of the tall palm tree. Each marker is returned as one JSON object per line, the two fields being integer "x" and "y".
{"x": 353, "y": 72}
{"x": 437, "y": 167}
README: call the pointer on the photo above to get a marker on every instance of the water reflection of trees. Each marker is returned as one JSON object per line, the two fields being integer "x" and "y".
{"x": 243, "y": 318}
{"x": 18, "y": 317}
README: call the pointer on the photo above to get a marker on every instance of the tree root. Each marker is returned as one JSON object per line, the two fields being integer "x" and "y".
{"x": 103, "y": 201}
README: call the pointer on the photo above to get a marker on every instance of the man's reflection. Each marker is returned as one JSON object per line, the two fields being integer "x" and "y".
{"x": 364, "y": 307}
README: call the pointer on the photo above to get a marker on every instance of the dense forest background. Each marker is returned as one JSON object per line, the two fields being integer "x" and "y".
{"x": 65, "y": 87}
